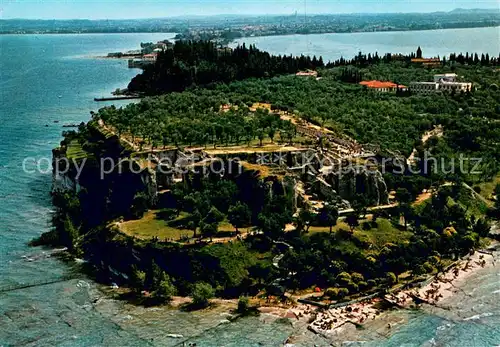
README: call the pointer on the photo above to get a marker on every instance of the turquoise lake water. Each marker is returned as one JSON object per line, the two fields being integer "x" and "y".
{"x": 47, "y": 78}
{"x": 334, "y": 46}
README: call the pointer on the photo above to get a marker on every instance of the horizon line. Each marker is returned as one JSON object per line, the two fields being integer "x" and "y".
{"x": 187, "y": 16}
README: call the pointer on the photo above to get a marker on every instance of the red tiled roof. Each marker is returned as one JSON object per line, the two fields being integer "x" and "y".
{"x": 381, "y": 84}
{"x": 307, "y": 73}
{"x": 425, "y": 60}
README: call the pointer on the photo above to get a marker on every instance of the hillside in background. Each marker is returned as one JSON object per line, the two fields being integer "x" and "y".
{"x": 263, "y": 25}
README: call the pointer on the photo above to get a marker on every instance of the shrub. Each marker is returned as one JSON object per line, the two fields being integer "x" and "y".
{"x": 165, "y": 290}
{"x": 419, "y": 270}
{"x": 332, "y": 293}
{"x": 167, "y": 214}
{"x": 363, "y": 243}
{"x": 243, "y": 304}
{"x": 353, "y": 287}
{"x": 344, "y": 234}
{"x": 434, "y": 259}
{"x": 202, "y": 293}
{"x": 362, "y": 284}
{"x": 137, "y": 279}
{"x": 496, "y": 191}
{"x": 343, "y": 292}
{"x": 343, "y": 278}
{"x": 428, "y": 268}
{"x": 391, "y": 278}
{"x": 371, "y": 260}
{"x": 357, "y": 277}
{"x": 139, "y": 205}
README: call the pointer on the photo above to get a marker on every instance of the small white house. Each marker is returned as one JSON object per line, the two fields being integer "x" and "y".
{"x": 150, "y": 57}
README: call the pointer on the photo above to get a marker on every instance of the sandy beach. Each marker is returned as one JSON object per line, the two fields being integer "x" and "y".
{"x": 443, "y": 286}
{"x": 341, "y": 323}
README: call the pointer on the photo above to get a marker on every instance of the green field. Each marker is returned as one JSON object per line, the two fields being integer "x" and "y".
{"x": 487, "y": 188}
{"x": 152, "y": 225}
{"x": 75, "y": 151}
{"x": 384, "y": 233}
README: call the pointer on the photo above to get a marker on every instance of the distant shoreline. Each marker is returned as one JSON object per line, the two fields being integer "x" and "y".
{"x": 84, "y": 33}
{"x": 368, "y": 32}
{"x": 485, "y": 25}
{"x": 115, "y": 58}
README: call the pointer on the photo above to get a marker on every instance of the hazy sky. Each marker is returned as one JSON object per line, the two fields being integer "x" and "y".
{"x": 115, "y": 9}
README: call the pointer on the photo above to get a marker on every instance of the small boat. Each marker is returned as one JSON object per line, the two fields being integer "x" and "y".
{"x": 59, "y": 96}
{"x": 175, "y": 336}
{"x": 56, "y": 121}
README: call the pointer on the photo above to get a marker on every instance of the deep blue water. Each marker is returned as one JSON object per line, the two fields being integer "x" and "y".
{"x": 47, "y": 78}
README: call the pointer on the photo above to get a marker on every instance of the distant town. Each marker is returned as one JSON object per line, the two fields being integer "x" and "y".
{"x": 226, "y": 28}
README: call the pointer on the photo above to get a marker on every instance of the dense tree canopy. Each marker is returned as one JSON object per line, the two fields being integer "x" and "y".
{"x": 199, "y": 63}
{"x": 348, "y": 261}
{"x": 393, "y": 122}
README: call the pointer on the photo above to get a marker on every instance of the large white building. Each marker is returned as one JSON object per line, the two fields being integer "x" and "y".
{"x": 456, "y": 86}
{"x": 443, "y": 83}
{"x": 423, "y": 87}
{"x": 446, "y": 77}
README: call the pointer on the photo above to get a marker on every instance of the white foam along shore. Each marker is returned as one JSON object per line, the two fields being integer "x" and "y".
{"x": 340, "y": 323}
{"x": 331, "y": 323}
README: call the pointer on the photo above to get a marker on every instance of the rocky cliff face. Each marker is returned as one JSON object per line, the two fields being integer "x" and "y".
{"x": 255, "y": 183}
{"x": 111, "y": 182}
{"x": 359, "y": 180}
{"x": 62, "y": 180}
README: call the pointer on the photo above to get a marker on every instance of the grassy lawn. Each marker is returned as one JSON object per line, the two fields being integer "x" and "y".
{"x": 337, "y": 227}
{"x": 75, "y": 151}
{"x": 264, "y": 170}
{"x": 487, "y": 188}
{"x": 226, "y": 227}
{"x": 384, "y": 233}
{"x": 227, "y": 148}
{"x": 267, "y": 146}
{"x": 473, "y": 206}
{"x": 152, "y": 225}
